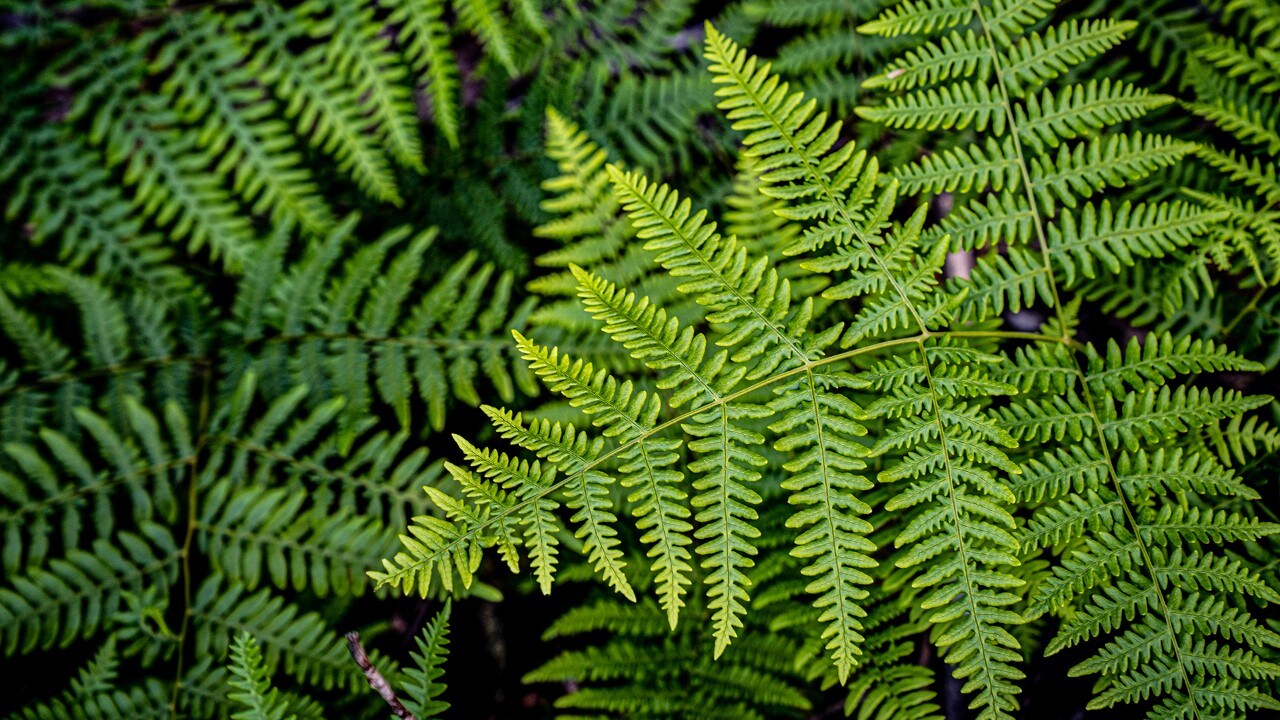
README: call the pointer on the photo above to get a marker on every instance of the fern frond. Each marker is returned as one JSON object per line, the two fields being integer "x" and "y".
{"x": 628, "y": 416}
{"x": 913, "y": 17}
{"x": 421, "y": 684}
{"x": 211, "y": 86}
{"x": 41, "y": 503}
{"x": 76, "y": 595}
{"x": 484, "y": 18}
{"x": 253, "y": 683}
{"x": 299, "y": 643}
{"x": 725, "y": 463}
{"x": 327, "y": 113}
{"x": 364, "y": 335}
{"x": 357, "y": 49}
{"x": 1114, "y": 237}
{"x": 427, "y": 46}
{"x": 253, "y": 534}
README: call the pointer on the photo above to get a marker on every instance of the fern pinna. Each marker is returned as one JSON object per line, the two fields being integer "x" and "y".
{"x": 890, "y": 378}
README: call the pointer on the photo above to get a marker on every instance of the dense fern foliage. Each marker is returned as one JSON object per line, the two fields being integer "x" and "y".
{"x": 914, "y": 364}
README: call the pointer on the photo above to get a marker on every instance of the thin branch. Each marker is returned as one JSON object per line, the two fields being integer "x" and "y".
{"x": 376, "y": 681}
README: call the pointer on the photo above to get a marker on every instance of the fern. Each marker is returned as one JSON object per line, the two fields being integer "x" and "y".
{"x": 836, "y": 413}
{"x": 92, "y": 694}
{"x": 1113, "y": 406}
{"x": 253, "y": 683}
{"x": 208, "y": 82}
{"x": 767, "y": 337}
{"x": 924, "y": 386}
{"x": 433, "y": 647}
{"x": 643, "y": 669}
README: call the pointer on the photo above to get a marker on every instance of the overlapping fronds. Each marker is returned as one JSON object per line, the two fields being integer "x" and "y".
{"x": 643, "y": 668}
{"x": 765, "y": 340}
{"x": 832, "y": 403}
{"x": 381, "y": 326}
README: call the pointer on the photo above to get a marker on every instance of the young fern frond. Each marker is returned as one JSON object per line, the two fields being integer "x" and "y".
{"x": 252, "y": 684}
{"x": 421, "y": 679}
{"x": 95, "y": 694}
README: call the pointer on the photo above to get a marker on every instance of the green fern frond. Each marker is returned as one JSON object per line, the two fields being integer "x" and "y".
{"x": 253, "y": 683}
{"x": 41, "y": 503}
{"x": 427, "y": 46}
{"x": 627, "y": 415}
{"x": 73, "y": 596}
{"x": 327, "y": 113}
{"x": 1114, "y": 237}
{"x": 483, "y": 17}
{"x": 587, "y": 219}
{"x": 298, "y": 643}
{"x": 421, "y": 684}
{"x": 253, "y": 535}
{"x": 211, "y": 87}
{"x": 623, "y": 674}
{"x": 1132, "y": 548}
{"x": 363, "y": 335}
{"x": 357, "y": 49}
{"x": 913, "y": 17}
{"x": 67, "y": 194}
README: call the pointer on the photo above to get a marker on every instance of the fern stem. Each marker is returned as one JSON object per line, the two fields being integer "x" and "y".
{"x": 973, "y": 612}
{"x": 372, "y": 486}
{"x": 105, "y": 371}
{"x": 193, "y": 497}
{"x": 1248, "y": 308}
{"x": 116, "y": 369}
{"x": 69, "y": 496}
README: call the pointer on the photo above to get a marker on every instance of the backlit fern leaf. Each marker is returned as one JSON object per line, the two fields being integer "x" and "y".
{"x": 766, "y": 341}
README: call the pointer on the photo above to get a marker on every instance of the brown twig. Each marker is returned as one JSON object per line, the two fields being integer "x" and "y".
{"x": 376, "y": 681}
